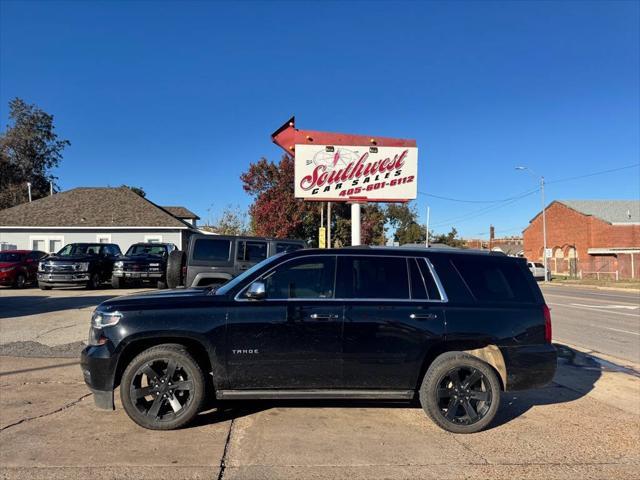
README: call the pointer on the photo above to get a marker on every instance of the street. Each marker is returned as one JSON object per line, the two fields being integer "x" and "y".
{"x": 602, "y": 321}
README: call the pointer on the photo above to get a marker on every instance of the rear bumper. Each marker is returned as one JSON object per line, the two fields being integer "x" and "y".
{"x": 529, "y": 366}
{"x": 98, "y": 369}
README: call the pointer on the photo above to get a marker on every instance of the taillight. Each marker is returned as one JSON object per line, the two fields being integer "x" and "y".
{"x": 547, "y": 323}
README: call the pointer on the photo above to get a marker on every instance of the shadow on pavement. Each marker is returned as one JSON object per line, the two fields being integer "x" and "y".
{"x": 582, "y": 370}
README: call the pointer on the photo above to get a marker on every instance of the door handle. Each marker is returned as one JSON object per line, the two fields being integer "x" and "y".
{"x": 423, "y": 316}
{"x": 323, "y": 316}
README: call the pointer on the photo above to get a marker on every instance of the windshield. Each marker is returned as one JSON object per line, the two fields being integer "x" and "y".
{"x": 146, "y": 249}
{"x": 79, "y": 249}
{"x": 10, "y": 257}
{"x": 223, "y": 290}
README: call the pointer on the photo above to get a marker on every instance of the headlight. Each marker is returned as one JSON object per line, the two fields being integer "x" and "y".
{"x": 6, "y": 269}
{"x": 41, "y": 266}
{"x": 105, "y": 319}
{"x": 118, "y": 264}
{"x": 154, "y": 264}
{"x": 82, "y": 267}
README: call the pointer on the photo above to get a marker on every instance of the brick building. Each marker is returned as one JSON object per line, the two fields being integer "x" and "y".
{"x": 588, "y": 238}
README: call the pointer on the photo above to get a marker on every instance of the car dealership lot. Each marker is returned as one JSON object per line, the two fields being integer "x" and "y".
{"x": 585, "y": 424}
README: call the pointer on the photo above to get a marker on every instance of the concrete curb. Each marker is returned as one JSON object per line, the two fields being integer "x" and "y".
{"x": 593, "y": 287}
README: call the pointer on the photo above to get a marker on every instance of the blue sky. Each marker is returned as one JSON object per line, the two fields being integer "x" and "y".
{"x": 179, "y": 97}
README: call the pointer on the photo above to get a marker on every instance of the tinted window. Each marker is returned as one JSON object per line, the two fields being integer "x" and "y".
{"x": 287, "y": 247}
{"x": 418, "y": 289}
{"x": 494, "y": 281}
{"x": 373, "y": 277}
{"x": 252, "y": 251}
{"x": 432, "y": 288}
{"x": 146, "y": 249}
{"x": 211, "y": 250}
{"x": 301, "y": 278}
{"x": 11, "y": 257}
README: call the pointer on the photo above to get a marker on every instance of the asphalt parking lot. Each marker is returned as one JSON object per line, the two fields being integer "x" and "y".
{"x": 586, "y": 424}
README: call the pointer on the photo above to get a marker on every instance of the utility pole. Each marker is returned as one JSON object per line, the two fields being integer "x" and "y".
{"x": 29, "y": 190}
{"x": 544, "y": 220}
{"x": 50, "y": 188}
{"x": 355, "y": 224}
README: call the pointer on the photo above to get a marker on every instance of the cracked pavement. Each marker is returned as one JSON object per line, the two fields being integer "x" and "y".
{"x": 586, "y": 424}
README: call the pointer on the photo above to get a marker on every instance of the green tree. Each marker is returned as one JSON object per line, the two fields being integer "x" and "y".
{"x": 232, "y": 221}
{"x": 29, "y": 150}
{"x": 450, "y": 239}
{"x": 403, "y": 218}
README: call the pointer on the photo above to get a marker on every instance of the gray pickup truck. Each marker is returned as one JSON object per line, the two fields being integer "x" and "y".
{"x": 216, "y": 259}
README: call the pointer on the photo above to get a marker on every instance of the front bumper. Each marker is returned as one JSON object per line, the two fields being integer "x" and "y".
{"x": 64, "y": 278}
{"x": 529, "y": 366}
{"x": 136, "y": 274}
{"x": 98, "y": 369}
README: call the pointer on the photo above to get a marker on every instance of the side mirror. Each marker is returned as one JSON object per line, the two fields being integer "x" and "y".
{"x": 256, "y": 291}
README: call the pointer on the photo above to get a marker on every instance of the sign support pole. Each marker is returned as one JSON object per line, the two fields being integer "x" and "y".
{"x": 329, "y": 225}
{"x": 355, "y": 224}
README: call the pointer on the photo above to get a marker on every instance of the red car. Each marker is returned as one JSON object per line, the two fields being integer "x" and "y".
{"x": 19, "y": 267}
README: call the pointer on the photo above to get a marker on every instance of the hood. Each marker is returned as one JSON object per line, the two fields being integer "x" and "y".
{"x": 161, "y": 298}
{"x": 70, "y": 258}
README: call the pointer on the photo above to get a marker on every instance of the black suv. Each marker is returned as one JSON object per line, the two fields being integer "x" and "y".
{"x": 450, "y": 327}
{"x": 81, "y": 264}
{"x": 143, "y": 262}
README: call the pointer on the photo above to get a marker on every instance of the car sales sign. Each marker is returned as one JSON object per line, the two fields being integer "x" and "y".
{"x": 356, "y": 173}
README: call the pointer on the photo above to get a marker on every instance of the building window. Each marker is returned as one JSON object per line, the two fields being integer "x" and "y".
{"x": 46, "y": 243}
{"x": 103, "y": 238}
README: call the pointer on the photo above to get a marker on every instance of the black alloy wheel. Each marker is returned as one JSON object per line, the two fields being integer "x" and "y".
{"x": 162, "y": 388}
{"x": 464, "y": 395}
{"x": 460, "y": 393}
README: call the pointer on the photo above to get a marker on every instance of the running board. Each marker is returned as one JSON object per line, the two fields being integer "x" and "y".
{"x": 314, "y": 394}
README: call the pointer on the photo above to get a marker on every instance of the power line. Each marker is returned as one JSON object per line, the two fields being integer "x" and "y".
{"x": 470, "y": 201}
{"x": 484, "y": 210}
{"x": 602, "y": 172}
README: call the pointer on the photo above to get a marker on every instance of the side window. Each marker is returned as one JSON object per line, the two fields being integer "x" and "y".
{"x": 494, "y": 281}
{"x": 211, "y": 250}
{"x": 287, "y": 247}
{"x": 430, "y": 283}
{"x": 249, "y": 251}
{"x": 302, "y": 278}
{"x": 418, "y": 289}
{"x": 373, "y": 277}
{"x": 94, "y": 249}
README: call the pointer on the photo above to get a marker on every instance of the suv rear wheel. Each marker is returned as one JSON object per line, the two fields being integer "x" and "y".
{"x": 460, "y": 393}
{"x": 162, "y": 388}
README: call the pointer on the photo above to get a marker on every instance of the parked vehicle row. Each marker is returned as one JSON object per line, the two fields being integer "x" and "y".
{"x": 451, "y": 328}
{"x": 210, "y": 260}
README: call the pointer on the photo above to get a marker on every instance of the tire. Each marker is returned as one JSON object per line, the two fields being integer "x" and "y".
{"x": 44, "y": 286}
{"x": 117, "y": 282}
{"x": 160, "y": 413}
{"x": 94, "y": 281}
{"x": 174, "y": 268}
{"x": 21, "y": 281}
{"x": 450, "y": 404}
{"x": 162, "y": 285}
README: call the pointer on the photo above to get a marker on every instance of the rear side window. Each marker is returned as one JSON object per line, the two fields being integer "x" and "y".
{"x": 252, "y": 251}
{"x": 494, "y": 281}
{"x": 423, "y": 286}
{"x": 211, "y": 250}
{"x": 373, "y": 277}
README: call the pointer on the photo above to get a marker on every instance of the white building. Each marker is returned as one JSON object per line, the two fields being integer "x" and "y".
{"x": 107, "y": 215}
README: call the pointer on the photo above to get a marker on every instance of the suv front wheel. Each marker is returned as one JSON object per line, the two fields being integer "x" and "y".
{"x": 162, "y": 388}
{"x": 460, "y": 393}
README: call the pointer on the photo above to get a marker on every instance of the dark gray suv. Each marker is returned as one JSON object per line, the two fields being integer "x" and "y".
{"x": 216, "y": 259}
